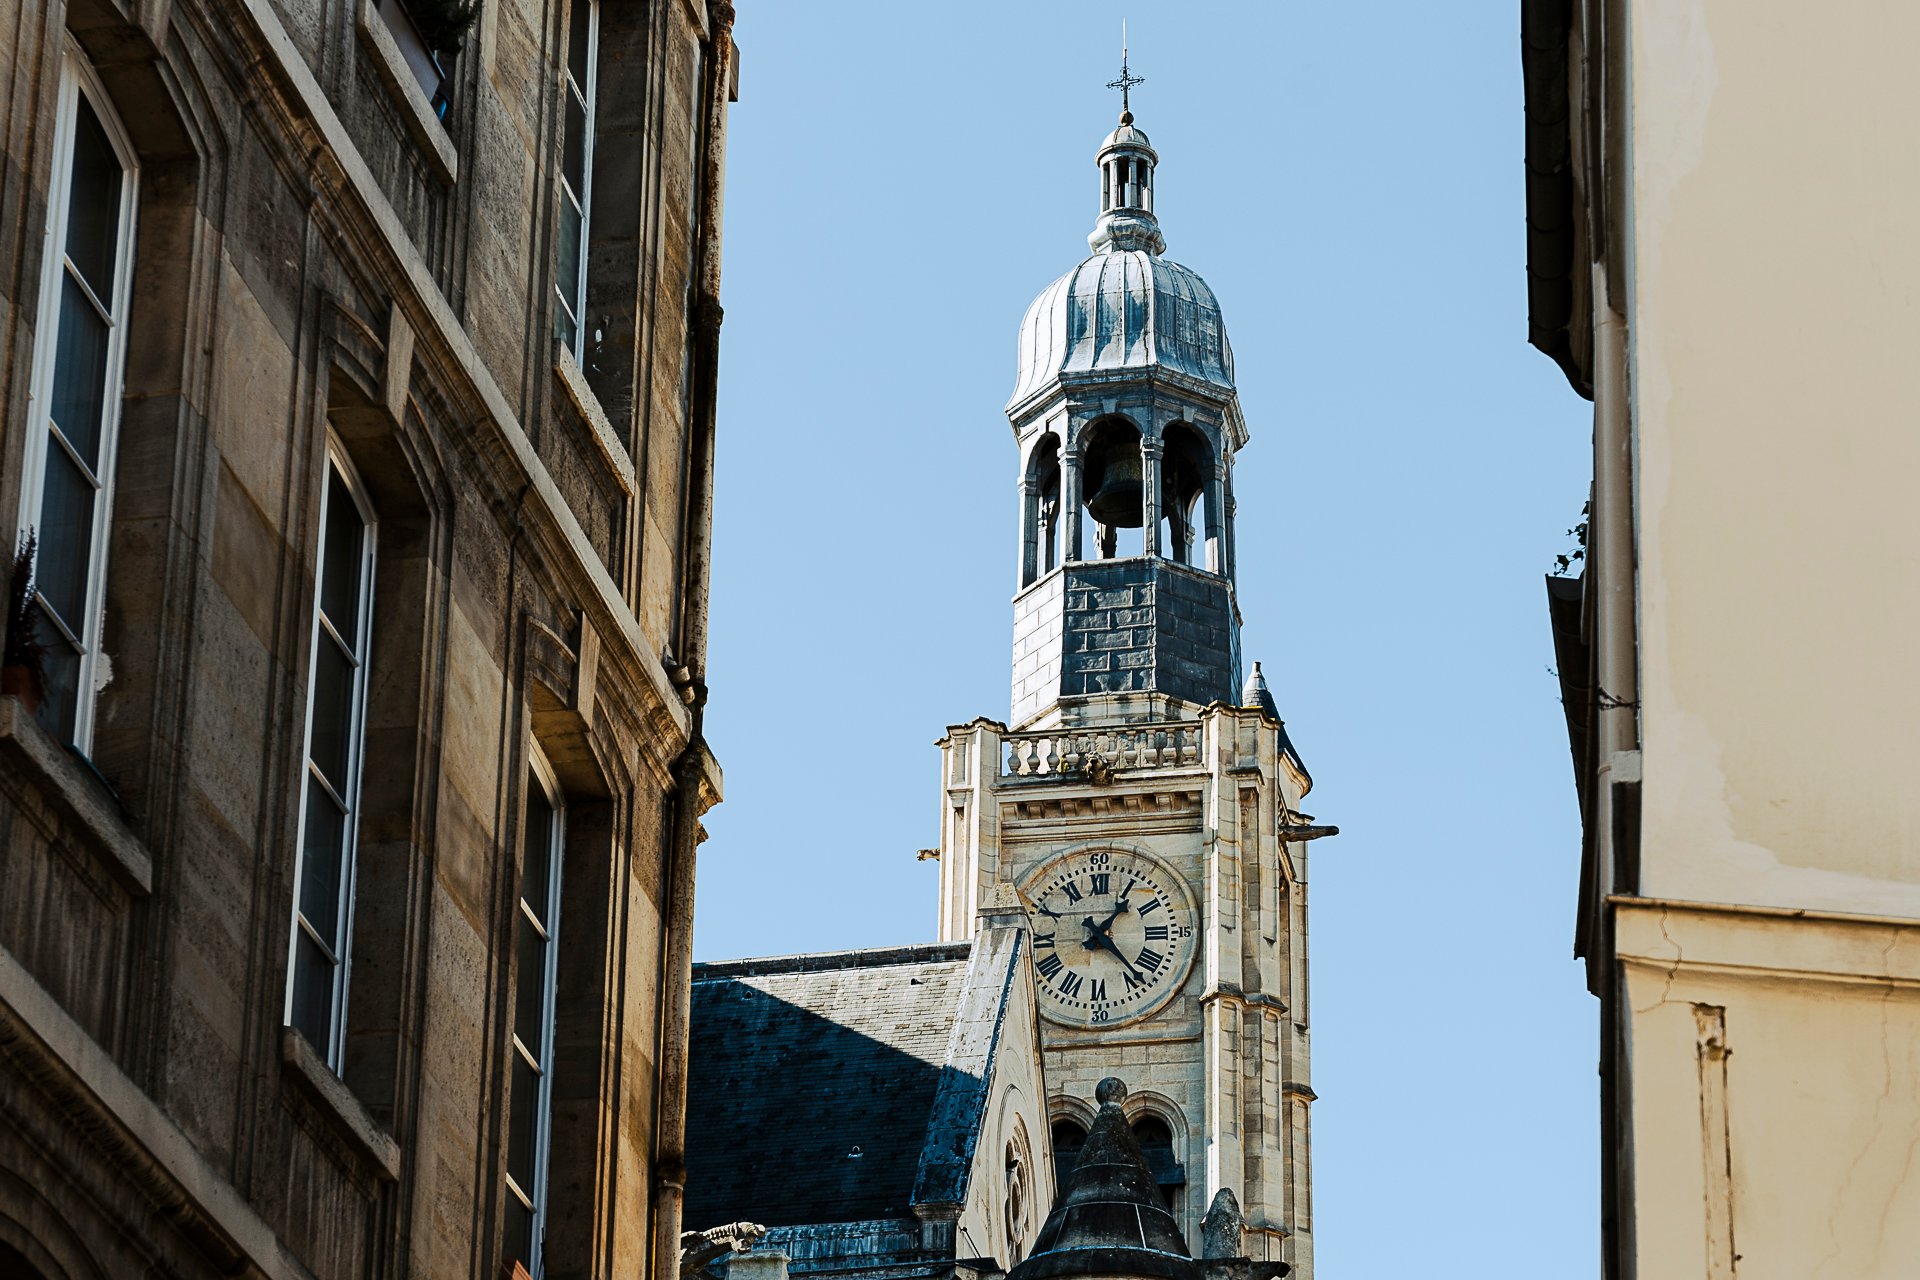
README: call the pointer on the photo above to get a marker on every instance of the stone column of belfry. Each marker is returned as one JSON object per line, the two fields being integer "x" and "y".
{"x": 1135, "y": 800}
{"x": 1070, "y": 488}
{"x": 1150, "y": 492}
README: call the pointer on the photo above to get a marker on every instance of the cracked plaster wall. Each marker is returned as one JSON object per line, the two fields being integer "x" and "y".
{"x": 1820, "y": 1132}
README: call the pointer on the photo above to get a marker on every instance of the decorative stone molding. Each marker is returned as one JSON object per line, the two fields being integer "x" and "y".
{"x": 45, "y": 1052}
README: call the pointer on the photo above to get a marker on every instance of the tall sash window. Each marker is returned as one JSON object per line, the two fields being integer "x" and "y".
{"x": 74, "y": 409}
{"x": 530, "y": 1056}
{"x": 330, "y": 783}
{"x": 576, "y": 172}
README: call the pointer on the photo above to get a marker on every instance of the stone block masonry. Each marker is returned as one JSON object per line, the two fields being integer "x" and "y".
{"x": 1140, "y": 625}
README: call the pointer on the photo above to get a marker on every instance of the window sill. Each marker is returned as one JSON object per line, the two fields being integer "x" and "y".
{"x": 69, "y": 788}
{"x": 331, "y": 1095}
{"x": 573, "y": 380}
{"x": 415, "y": 110}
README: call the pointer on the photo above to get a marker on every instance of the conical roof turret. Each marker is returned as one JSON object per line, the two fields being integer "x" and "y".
{"x": 1110, "y": 1220}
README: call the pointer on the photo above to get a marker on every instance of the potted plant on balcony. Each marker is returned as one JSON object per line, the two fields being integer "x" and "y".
{"x": 23, "y": 669}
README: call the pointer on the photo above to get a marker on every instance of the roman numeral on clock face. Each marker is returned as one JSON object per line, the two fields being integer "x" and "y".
{"x": 1132, "y": 980}
{"x": 1148, "y": 907}
{"x": 1070, "y": 983}
{"x": 1072, "y": 890}
{"x": 1155, "y": 933}
{"x": 1045, "y": 941}
{"x": 1097, "y": 989}
{"x": 1149, "y": 959}
{"x": 1049, "y": 964}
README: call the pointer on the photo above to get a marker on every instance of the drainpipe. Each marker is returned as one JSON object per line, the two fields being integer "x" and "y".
{"x": 1612, "y": 576}
{"x": 676, "y": 971}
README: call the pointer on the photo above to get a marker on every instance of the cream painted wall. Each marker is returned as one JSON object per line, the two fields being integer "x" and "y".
{"x": 1796, "y": 1153}
{"x": 1775, "y": 319}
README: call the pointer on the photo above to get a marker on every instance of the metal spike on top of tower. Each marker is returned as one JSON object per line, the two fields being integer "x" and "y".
{"x": 1127, "y": 79}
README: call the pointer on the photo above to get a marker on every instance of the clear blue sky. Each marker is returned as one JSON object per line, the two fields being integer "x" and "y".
{"x": 902, "y": 179}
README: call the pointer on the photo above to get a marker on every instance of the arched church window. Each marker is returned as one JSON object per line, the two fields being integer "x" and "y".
{"x": 1156, "y": 1144}
{"x": 1068, "y": 1137}
{"x": 1019, "y": 1207}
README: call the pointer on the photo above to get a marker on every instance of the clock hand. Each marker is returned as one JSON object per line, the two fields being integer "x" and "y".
{"x": 1098, "y": 938}
{"x": 1112, "y": 946}
{"x": 1120, "y": 908}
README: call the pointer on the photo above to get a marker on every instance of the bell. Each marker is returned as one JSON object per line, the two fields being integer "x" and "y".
{"x": 1116, "y": 499}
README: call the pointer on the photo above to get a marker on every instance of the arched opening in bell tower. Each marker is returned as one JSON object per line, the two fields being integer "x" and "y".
{"x": 1040, "y": 511}
{"x": 1186, "y": 467}
{"x": 1126, "y": 182}
{"x": 1111, "y": 482}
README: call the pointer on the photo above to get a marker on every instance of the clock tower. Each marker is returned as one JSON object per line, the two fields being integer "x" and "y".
{"x": 1143, "y": 807}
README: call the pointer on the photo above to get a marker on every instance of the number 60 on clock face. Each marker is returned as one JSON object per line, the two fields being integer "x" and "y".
{"x": 1112, "y": 936}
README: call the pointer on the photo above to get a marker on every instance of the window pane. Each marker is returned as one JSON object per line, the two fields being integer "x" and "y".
{"x": 93, "y": 204}
{"x": 58, "y": 711}
{"x": 537, "y": 865}
{"x": 320, "y": 863}
{"x": 523, "y": 1119}
{"x": 519, "y": 1241}
{"x": 66, "y": 538}
{"x": 79, "y": 372}
{"x": 574, "y": 163}
{"x": 340, "y": 559}
{"x": 567, "y": 269}
{"x": 579, "y": 35}
{"x": 332, "y": 709}
{"x": 529, "y": 1017}
{"x": 312, "y": 1011}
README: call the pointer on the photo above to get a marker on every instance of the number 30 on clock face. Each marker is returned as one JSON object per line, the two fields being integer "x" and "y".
{"x": 1112, "y": 933}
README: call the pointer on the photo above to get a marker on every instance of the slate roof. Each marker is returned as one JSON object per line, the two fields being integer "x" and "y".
{"x": 796, "y": 1062}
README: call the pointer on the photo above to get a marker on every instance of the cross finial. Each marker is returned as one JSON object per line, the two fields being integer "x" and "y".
{"x": 1127, "y": 79}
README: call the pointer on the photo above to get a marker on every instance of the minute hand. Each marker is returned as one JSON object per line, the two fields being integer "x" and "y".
{"x": 1101, "y": 939}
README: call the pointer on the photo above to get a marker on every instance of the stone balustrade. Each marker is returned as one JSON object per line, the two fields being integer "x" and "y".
{"x": 1070, "y": 752}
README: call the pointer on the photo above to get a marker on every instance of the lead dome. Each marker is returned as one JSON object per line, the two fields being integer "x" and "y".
{"x": 1127, "y": 306}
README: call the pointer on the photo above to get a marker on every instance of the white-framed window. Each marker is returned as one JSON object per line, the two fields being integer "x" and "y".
{"x": 580, "y": 83}
{"x": 79, "y": 359}
{"x": 530, "y": 1053}
{"x": 317, "y": 963}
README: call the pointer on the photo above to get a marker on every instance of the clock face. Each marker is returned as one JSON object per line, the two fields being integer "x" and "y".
{"x": 1112, "y": 934}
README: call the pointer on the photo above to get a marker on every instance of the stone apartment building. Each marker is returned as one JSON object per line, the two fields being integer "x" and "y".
{"x": 358, "y": 384}
{"x": 1720, "y": 200}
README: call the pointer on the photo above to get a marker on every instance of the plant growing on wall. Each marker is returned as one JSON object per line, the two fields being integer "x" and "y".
{"x": 23, "y": 670}
{"x": 1563, "y": 563}
{"x": 443, "y": 24}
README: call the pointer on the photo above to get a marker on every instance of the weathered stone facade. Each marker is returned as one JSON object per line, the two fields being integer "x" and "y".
{"x": 333, "y": 289}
